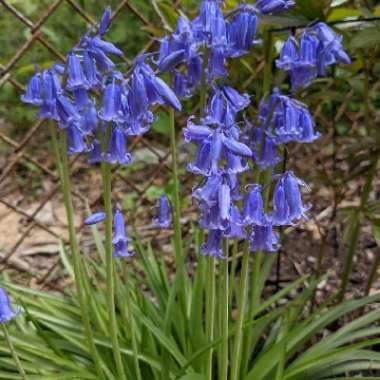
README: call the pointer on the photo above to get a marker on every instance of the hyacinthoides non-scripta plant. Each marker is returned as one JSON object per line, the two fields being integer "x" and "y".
{"x": 237, "y": 158}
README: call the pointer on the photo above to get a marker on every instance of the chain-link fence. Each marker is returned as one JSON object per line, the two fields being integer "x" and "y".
{"x": 31, "y": 211}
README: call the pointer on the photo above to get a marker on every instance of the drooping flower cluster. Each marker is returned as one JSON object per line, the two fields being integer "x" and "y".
{"x": 181, "y": 52}
{"x": 309, "y": 56}
{"x": 66, "y": 94}
{"x": 223, "y": 152}
{"x": 280, "y": 120}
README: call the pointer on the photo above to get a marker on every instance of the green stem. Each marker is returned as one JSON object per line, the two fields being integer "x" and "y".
{"x": 132, "y": 324}
{"x": 243, "y": 293}
{"x": 63, "y": 170}
{"x": 225, "y": 313}
{"x": 235, "y": 249}
{"x": 110, "y": 270}
{"x": 176, "y": 198}
{"x": 210, "y": 312}
{"x": 13, "y": 352}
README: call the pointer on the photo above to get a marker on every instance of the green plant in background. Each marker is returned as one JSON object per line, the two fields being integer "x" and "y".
{"x": 133, "y": 321}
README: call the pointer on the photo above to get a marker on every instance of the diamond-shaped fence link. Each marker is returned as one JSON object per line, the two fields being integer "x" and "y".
{"x": 29, "y": 213}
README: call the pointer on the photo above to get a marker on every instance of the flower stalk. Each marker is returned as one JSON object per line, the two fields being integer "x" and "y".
{"x": 19, "y": 366}
{"x": 60, "y": 148}
{"x": 110, "y": 269}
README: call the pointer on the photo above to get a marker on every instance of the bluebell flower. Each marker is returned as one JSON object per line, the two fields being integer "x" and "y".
{"x": 167, "y": 94}
{"x": 202, "y": 162}
{"x": 33, "y": 93}
{"x": 194, "y": 72}
{"x": 75, "y": 75}
{"x": 241, "y": 32}
{"x": 234, "y": 163}
{"x": 7, "y": 313}
{"x": 120, "y": 238}
{"x": 50, "y": 89}
{"x": 304, "y": 69}
{"x": 164, "y": 218}
{"x": 95, "y": 218}
{"x": 95, "y": 152}
{"x": 92, "y": 74}
{"x": 213, "y": 244}
{"x": 224, "y": 103}
{"x": 105, "y": 21}
{"x": 180, "y": 84}
{"x": 194, "y": 132}
{"x": 264, "y": 239}
{"x": 117, "y": 150}
{"x": 288, "y": 54}
{"x": 172, "y": 60}
{"x": 111, "y": 103}
{"x": 235, "y": 229}
{"x": 216, "y": 64}
{"x": 212, "y": 23}
{"x": 287, "y": 201}
{"x": 330, "y": 49}
{"x": 273, "y": 6}
{"x": 253, "y": 209}
{"x": 75, "y": 142}
{"x": 208, "y": 193}
{"x": 88, "y": 123}
{"x": 66, "y": 110}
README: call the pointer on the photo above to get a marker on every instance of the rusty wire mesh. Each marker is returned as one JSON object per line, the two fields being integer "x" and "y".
{"x": 31, "y": 210}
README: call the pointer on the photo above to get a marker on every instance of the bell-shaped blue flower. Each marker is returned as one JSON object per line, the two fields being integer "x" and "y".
{"x": 33, "y": 93}
{"x": 66, "y": 110}
{"x": 105, "y": 21}
{"x": 287, "y": 201}
{"x": 88, "y": 124}
{"x": 7, "y": 313}
{"x": 171, "y": 61}
{"x": 194, "y": 132}
{"x": 288, "y": 54}
{"x": 117, "y": 150}
{"x": 75, "y": 75}
{"x": 95, "y": 218}
{"x": 292, "y": 186}
{"x": 213, "y": 244}
{"x": 235, "y": 230}
{"x": 202, "y": 164}
{"x": 208, "y": 192}
{"x": 212, "y": 23}
{"x": 224, "y": 201}
{"x": 263, "y": 239}
{"x": 95, "y": 153}
{"x": 51, "y": 89}
{"x": 194, "y": 75}
{"x": 241, "y": 32}
{"x": 120, "y": 238}
{"x": 330, "y": 49}
{"x": 180, "y": 84}
{"x": 90, "y": 70}
{"x": 234, "y": 163}
{"x": 167, "y": 93}
{"x": 111, "y": 103}
{"x": 216, "y": 64}
{"x": 253, "y": 209}
{"x": 75, "y": 142}
{"x": 273, "y": 6}
{"x": 164, "y": 218}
